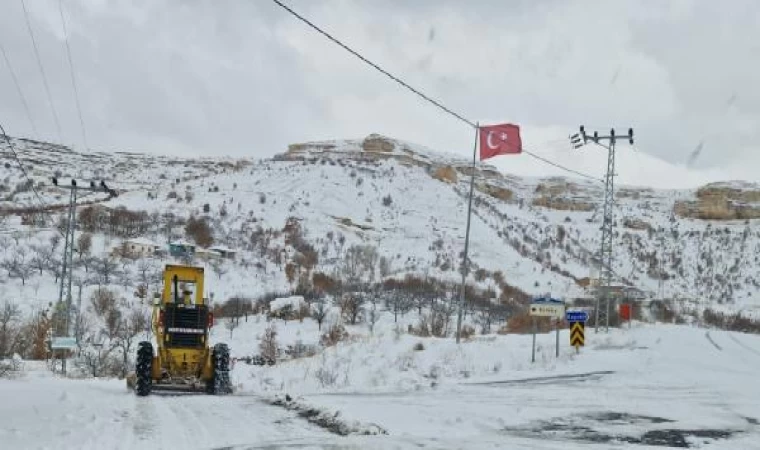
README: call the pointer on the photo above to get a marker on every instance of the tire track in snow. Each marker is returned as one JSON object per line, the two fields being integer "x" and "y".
{"x": 743, "y": 345}
{"x": 709, "y": 338}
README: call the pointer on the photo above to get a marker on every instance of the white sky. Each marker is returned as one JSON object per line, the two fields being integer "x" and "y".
{"x": 242, "y": 77}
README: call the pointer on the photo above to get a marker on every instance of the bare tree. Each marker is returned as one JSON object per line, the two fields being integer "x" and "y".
{"x": 95, "y": 358}
{"x": 103, "y": 300}
{"x": 105, "y": 268}
{"x": 352, "y": 267}
{"x": 372, "y": 318}
{"x": 319, "y": 312}
{"x": 360, "y": 263}
{"x": 38, "y": 261}
{"x": 18, "y": 266}
{"x": 351, "y": 305}
{"x": 385, "y": 267}
{"x": 145, "y": 273}
{"x": 484, "y": 317}
{"x": 231, "y": 323}
{"x": 132, "y": 324}
{"x": 268, "y": 345}
{"x": 9, "y": 315}
{"x": 397, "y": 301}
{"x": 114, "y": 323}
{"x": 86, "y": 262}
{"x": 42, "y": 258}
{"x": 125, "y": 279}
{"x": 219, "y": 268}
{"x": 37, "y": 329}
{"x": 55, "y": 239}
{"x": 55, "y": 268}
{"x": 84, "y": 244}
{"x": 82, "y": 327}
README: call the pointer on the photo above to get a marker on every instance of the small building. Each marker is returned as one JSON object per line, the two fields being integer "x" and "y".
{"x": 224, "y": 252}
{"x": 137, "y": 248}
{"x": 205, "y": 253}
{"x": 180, "y": 249}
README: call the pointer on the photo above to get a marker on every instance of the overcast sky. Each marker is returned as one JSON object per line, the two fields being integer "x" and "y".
{"x": 244, "y": 78}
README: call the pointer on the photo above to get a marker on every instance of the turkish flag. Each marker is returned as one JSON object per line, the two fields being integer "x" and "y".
{"x": 501, "y": 139}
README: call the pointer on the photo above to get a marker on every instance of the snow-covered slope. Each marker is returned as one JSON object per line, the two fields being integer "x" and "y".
{"x": 538, "y": 235}
{"x": 121, "y": 170}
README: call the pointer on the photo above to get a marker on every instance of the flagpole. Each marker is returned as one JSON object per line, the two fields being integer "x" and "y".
{"x": 465, "y": 261}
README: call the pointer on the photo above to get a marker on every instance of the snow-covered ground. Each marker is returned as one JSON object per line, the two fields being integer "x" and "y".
{"x": 638, "y": 387}
{"x": 635, "y": 388}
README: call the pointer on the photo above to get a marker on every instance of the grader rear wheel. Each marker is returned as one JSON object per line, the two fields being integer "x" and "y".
{"x": 220, "y": 384}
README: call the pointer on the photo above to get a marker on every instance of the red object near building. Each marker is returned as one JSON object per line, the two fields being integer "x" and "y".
{"x": 625, "y": 311}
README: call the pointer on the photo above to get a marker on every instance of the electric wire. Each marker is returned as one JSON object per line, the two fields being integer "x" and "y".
{"x": 42, "y": 72}
{"x": 415, "y": 91}
{"x": 73, "y": 77}
{"x": 20, "y": 92}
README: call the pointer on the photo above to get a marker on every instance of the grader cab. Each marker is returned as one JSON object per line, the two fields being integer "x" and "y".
{"x": 182, "y": 359}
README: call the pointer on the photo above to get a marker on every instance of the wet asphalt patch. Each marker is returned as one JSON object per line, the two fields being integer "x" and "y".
{"x": 581, "y": 428}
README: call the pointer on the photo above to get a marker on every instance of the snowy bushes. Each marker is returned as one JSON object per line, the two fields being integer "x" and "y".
{"x": 268, "y": 348}
{"x": 436, "y": 323}
{"x": 335, "y": 334}
{"x": 467, "y": 332}
{"x": 199, "y": 231}
{"x": 351, "y": 307}
{"x": 102, "y": 301}
{"x": 731, "y": 322}
{"x": 326, "y": 377}
{"x": 300, "y": 350}
{"x": 11, "y": 367}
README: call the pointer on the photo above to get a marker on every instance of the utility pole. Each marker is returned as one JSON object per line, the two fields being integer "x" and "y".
{"x": 67, "y": 262}
{"x": 605, "y": 254}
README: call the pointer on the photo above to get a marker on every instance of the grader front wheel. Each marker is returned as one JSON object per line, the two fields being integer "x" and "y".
{"x": 143, "y": 369}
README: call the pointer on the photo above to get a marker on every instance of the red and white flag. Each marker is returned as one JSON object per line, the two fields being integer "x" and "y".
{"x": 501, "y": 139}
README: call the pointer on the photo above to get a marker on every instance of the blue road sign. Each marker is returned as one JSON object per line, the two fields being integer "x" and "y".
{"x": 576, "y": 316}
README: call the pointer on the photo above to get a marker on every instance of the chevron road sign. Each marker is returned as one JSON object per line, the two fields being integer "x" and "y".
{"x": 577, "y": 337}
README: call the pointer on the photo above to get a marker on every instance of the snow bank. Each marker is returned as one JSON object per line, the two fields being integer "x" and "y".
{"x": 390, "y": 361}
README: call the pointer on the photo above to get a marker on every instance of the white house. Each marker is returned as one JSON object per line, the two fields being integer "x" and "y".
{"x": 224, "y": 252}
{"x": 138, "y": 247}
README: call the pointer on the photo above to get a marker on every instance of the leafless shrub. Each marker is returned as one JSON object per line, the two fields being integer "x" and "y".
{"x": 335, "y": 334}
{"x": 268, "y": 348}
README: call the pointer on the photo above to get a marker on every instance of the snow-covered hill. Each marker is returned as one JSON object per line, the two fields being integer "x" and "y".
{"x": 409, "y": 202}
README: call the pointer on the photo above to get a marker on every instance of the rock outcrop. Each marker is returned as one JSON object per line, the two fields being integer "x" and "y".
{"x": 722, "y": 201}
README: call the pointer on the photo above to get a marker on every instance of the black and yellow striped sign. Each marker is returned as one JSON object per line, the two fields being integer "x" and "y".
{"x": 577, "y": 337}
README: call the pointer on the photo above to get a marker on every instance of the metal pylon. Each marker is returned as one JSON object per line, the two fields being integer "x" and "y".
{"x": 604, "y": 298}
{"x": 605, "y": 255}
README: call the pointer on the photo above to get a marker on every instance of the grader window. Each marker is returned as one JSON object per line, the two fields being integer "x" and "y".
{"x": 183, "y": 292}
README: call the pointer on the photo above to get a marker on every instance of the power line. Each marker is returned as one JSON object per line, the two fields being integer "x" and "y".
{"x": 29, "y": 179}
{"x": 417, "y": 92}
{"x": 73, "y": 78}
{"x": 373, "y": 65}
{"x": 560, "y": 166}
{"x": 18, "y": 89}
{"x": 42, "y": 72}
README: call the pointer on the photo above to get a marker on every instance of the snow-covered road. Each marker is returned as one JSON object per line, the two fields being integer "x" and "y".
{"x": 649, "y": 387}
{"x": 43, "y": 412}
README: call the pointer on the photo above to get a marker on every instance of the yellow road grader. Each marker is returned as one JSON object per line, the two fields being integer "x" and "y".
{"x": 182, "y": 359}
